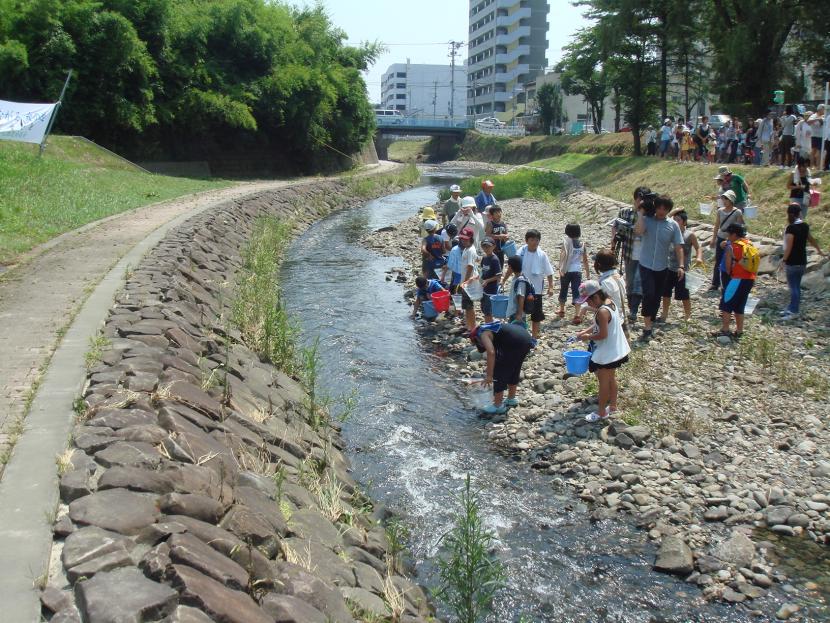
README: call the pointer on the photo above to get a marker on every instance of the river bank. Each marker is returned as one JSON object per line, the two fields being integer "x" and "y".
{"x": 201, "y": 482}
{"x": 716, "y": 440}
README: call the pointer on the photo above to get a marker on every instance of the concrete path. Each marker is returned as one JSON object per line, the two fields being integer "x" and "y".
{"x": 51, "y": 306}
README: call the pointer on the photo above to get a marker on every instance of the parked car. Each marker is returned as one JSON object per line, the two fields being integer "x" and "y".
{"x": 490, "y": 123}
{"x": 718, "y": 121}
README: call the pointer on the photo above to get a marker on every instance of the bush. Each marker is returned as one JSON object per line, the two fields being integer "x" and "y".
{"x": 527, "y": 183}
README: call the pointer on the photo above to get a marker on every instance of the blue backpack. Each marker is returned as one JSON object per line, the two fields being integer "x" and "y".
{"x": 530, "y": 293}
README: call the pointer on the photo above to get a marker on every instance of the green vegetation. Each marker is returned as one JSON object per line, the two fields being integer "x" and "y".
{"x": 365, "y": 186}
{"x": 470, "y": 574}
{"x": 519, "y": 183}
{"x": 408, "y": 151}
{"x": 257, "y": 309}
{"x": 688, "y": 185}
{"x": 189, "y": 77}
{"x": 73, "y": 184}
{"x": 479, "y": 147}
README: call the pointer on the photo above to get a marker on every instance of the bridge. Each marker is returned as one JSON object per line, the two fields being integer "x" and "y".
{"x": 448, "y": 130}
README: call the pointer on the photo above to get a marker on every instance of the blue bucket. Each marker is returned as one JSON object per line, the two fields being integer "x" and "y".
{"x": 509, "y": 248}
{"x": 499, "y": 304}
{"x": 428, "y": 310}
{"x": 576, "y": 361}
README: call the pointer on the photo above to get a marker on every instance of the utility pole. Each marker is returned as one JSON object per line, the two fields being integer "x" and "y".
{"x": 434, "y": 96}
{"x": 454, "y": 47}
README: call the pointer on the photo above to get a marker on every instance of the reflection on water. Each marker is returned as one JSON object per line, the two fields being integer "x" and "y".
{"x": 412, "y": 441}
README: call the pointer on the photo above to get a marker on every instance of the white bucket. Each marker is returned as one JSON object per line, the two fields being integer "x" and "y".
{"x": 694, "y": 281}
{"x": 456, "y": 301}
{"x": 705, "y": 208}
{"x": 750, "y": 211}
{"x": 751, "y": 304}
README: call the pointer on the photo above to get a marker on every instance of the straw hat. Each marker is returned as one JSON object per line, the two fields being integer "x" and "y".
{"x": 428, "y": 213}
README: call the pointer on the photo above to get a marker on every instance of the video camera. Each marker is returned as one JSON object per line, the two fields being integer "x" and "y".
{"x": 647, "y": 202}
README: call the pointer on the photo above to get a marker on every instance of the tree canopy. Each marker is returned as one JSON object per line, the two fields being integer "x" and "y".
{"x": 168, "y": 77}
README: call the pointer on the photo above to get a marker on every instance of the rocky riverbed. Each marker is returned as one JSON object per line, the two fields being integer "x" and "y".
{"x": 715, "y": 440}
{"x": 198, "y": 485}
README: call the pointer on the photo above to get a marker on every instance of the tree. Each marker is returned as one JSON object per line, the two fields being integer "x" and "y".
{"x": 745, "y": 33}
{"x": 549, "y": 97}
{"x": 584, "y": 73}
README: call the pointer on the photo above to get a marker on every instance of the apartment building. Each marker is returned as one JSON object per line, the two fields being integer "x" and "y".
{"x": 426, "y": 90}
{"x": 507, "y": 45}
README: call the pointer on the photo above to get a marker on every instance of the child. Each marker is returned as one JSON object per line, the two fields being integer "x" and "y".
{"x": 536, "y": 268}
{"x": 611, "y": 282}
{"x": 610, "y": 350}
{"x": 672, "y": 283}
{"x": 454, "y": 265}
{"x": 432, "y": 250}
{"x": 490, "y": 277}
{"x": 521, "y": 292}
{"x": 497, "y": 230}
{"x": 425, "y": 289}
{"x": 573, "y": 259}
{"x": 736, "y": 248}
{"x": 712, "y": 147}
{"x": 469, "y": 272}
{"x": 687, "y": 146}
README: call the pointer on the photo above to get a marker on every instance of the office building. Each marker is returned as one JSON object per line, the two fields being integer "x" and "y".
{"x": 507, "y": 45}
{"x": 424, "y": 90}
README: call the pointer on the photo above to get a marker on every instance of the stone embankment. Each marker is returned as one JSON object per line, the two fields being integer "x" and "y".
{"x": 196, "y": 487}
{"x": 714, "y": 440}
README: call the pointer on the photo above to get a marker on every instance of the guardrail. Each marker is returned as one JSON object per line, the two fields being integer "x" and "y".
{"x": 511, "y": 131}
{"x": 459, "y": 123}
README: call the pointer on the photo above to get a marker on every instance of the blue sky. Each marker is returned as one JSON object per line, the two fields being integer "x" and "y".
{"x": 420, "y": 29}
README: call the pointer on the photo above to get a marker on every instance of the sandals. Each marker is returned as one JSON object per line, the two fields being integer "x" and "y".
{"x": 576, "y": 320}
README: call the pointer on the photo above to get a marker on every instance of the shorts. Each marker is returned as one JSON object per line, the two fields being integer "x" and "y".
{"x": 815, "y": 142}
{"x": 487, "y": 304}
{"x": 466, "y": 301}
{"x": 677, "y": 286}
{"x": 786, "y": 144}
{"x": 737, "y": 303}
{"x": 537, "y": 314}
{"x": 572, "y": 280}
{"x": 508, "y": 369}
{"x": 593, "y": 366}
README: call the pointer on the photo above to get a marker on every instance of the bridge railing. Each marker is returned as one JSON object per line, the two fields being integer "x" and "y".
{"x": 446, "y": 121}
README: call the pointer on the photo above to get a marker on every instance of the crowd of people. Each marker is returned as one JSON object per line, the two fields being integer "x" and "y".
{"x": 772, "y": 140}
{"x": 468, "y": 250}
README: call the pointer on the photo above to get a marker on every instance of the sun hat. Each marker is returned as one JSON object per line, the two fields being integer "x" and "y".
{"x": 724, "y": 171}
{"x": 430, "y": 225}
{"x": 587, "y": 289}
{"x": 468, "y": 202}
{"x": 466, "y": 233}
{"x": 488, "y": 242}
{"x": 730, "y": 195}
{"x": 427, "y": 213}
{"x": 455, "y": 188}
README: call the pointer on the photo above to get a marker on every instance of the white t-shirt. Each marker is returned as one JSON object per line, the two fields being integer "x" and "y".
{"x": 469, "y": 257}
{"x": 803, "y": 134}
{"x": 788, "y": 125}
{"x": 474, "y": 222}
{"x": 614, "y": 286}
{"x": 535, "y": 267}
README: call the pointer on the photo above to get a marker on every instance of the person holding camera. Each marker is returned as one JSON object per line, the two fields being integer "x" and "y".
{"x": 624, "y": 241}
{"x": 659, "y": 233}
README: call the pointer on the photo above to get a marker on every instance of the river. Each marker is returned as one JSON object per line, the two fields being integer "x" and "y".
{"x": 412, "y": 439}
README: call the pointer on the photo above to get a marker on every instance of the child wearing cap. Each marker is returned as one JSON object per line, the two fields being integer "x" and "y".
{"x": 452, "y": 205}
{"x": 610, "y": 349}
{"x": 454, "y": 265}
{"x": 432, "y": 250}
{"x": 490, "y": 277}
{"x": 425, "y": 288}
{"x": 468, "y": 217}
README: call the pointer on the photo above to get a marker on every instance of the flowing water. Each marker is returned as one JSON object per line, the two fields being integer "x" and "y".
{"x": 413, "y": 438}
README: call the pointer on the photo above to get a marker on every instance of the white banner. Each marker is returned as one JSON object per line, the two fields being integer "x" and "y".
{"x": 24, "y": 122}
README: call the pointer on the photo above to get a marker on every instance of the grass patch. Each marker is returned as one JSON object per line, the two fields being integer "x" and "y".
{"x": 73, "y": 184}
{"x": 688, "y": 185}
{"x": 521, "y": 150}
{"x": 97, "y": 346}
{"x": 364, "y": 186}
{"x": 407, "y": 151}
{"x": 528, "y": 183}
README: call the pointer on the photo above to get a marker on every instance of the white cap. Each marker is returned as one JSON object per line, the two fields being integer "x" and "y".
{"x": 430, "y": 225}
{"x": 468, "y": 202}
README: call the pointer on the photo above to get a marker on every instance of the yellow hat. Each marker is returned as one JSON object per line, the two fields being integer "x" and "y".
{"x": 428, "y": 213}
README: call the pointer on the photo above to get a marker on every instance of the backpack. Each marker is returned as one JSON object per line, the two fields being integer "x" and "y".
{"x": 750, "y": 258}
{"x": 530, "y": 293}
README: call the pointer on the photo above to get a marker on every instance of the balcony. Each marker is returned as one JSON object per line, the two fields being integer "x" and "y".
{"x": 513, "y": 55}
{"x": 521, "y": 31}
{"x": 480, "y": 47}
{"x": 509, "y": 20}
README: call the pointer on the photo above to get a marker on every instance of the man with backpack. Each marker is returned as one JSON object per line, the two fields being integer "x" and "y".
{"x": 742, "y": 261}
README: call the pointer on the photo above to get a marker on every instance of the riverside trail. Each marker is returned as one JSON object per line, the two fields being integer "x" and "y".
{"x": 413, "y": 438}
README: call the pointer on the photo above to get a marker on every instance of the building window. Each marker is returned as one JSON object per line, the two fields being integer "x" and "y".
{"x": 400, "y": 96}
{"x": 400, "y": 74}
{"x": 400, "y": 85}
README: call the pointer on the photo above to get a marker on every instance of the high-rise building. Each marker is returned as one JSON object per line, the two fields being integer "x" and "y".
{"x": 508, "y": 41}
{"x": 418, "y": 89}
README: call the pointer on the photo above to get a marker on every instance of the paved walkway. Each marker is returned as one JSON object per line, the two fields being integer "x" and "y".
{"x": 39, "y": 298}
